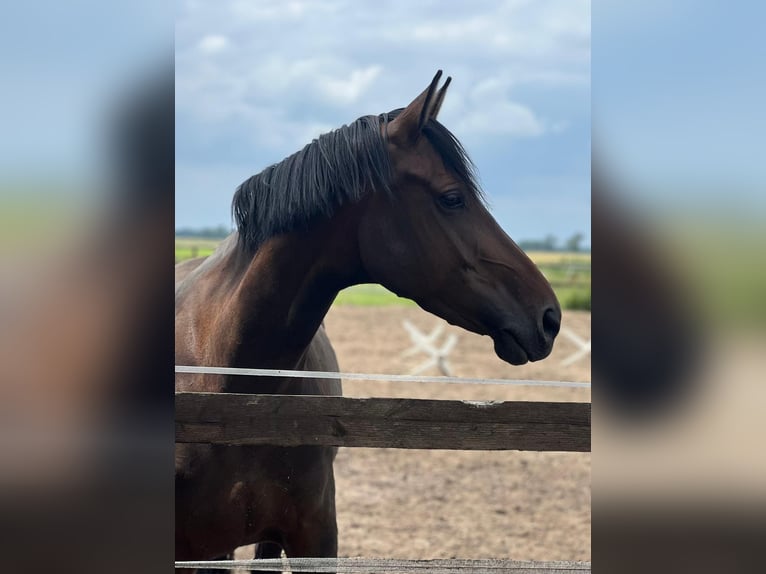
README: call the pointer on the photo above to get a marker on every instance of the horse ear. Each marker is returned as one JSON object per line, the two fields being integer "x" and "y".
{"x": 407, "y": 126}
{"x": 434, "y": 111}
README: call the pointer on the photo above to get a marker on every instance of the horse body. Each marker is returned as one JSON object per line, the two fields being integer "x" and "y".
{"x": 389, "y": 199}
{"x": 256, "y": 494}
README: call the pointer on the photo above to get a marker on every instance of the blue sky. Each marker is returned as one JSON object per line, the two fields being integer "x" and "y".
{"x": 255, "y": 81}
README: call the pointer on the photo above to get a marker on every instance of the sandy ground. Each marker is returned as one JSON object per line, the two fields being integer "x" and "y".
{"x": 457, "y": 504}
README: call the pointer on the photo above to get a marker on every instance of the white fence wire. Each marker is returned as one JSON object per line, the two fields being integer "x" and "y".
{"x": 373, "y": 377}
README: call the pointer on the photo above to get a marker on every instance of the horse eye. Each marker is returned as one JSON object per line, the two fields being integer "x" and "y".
{"x": 452, "y": 200}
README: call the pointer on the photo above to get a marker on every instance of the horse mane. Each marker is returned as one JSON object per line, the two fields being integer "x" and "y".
{"x": 335, "y": 168}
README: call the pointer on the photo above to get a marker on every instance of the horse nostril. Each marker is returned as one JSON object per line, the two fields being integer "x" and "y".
{"x": 551, "y": 322}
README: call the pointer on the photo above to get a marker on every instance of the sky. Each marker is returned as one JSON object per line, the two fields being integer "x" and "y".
{"x": 256, "y": 81}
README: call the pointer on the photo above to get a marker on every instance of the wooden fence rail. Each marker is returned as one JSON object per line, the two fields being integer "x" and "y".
{"x": 290, "y": 420}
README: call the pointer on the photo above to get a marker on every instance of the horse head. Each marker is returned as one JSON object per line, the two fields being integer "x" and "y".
{"x": 432, "y": 239}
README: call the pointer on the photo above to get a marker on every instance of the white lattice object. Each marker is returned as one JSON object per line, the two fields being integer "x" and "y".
{"x": 427, "y": 344}
{"x": 582, "y": 351}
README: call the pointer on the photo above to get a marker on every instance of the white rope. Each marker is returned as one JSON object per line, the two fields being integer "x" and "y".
{"x": 373, "y": 377}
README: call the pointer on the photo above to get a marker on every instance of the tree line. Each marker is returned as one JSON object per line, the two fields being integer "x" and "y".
{"x": 550, "y": 242}
{"x": 220, "y": 232}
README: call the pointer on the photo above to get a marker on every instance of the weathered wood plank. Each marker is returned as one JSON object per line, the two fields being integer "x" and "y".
{"x": 281, "y": 420}
{"x": 395, "y": 566}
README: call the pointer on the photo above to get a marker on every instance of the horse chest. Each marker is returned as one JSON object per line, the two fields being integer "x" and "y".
{"x": 244, "y": 494}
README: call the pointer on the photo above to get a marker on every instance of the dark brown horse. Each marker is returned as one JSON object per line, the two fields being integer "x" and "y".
{"x": 388, "y": 199}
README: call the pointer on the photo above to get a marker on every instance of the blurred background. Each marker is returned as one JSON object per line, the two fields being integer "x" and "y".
{"x": 679, "y": 472}
{"x": 86, "y": 339}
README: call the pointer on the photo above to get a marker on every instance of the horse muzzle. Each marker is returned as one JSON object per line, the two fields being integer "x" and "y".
{"x": 517, "y": 345}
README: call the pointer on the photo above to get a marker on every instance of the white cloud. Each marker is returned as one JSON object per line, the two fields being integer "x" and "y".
{"x": 276, "y": 10}
{"x": 348, "y": 90}
{"x": 506, "y": 118}
{"x": 213, "y": 43}
{"x": 489, "y": 110}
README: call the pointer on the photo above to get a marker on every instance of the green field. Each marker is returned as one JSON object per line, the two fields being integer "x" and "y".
{"x": 370, "y": 295}
{"x": 558, "y": 257}
{"x": 569, "y": 273}
{"x": 190, "y": 247}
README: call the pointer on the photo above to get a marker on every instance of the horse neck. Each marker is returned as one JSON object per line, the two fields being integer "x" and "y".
{"x": 287, "y": 289}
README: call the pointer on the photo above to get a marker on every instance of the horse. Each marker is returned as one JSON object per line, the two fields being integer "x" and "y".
{"x": 391, "y": 199}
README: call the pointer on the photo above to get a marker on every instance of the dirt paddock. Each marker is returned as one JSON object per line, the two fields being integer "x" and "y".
{"x": 457, "y": 504}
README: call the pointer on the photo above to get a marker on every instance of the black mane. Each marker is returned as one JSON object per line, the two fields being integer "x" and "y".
{"x": 337, "y": 167}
